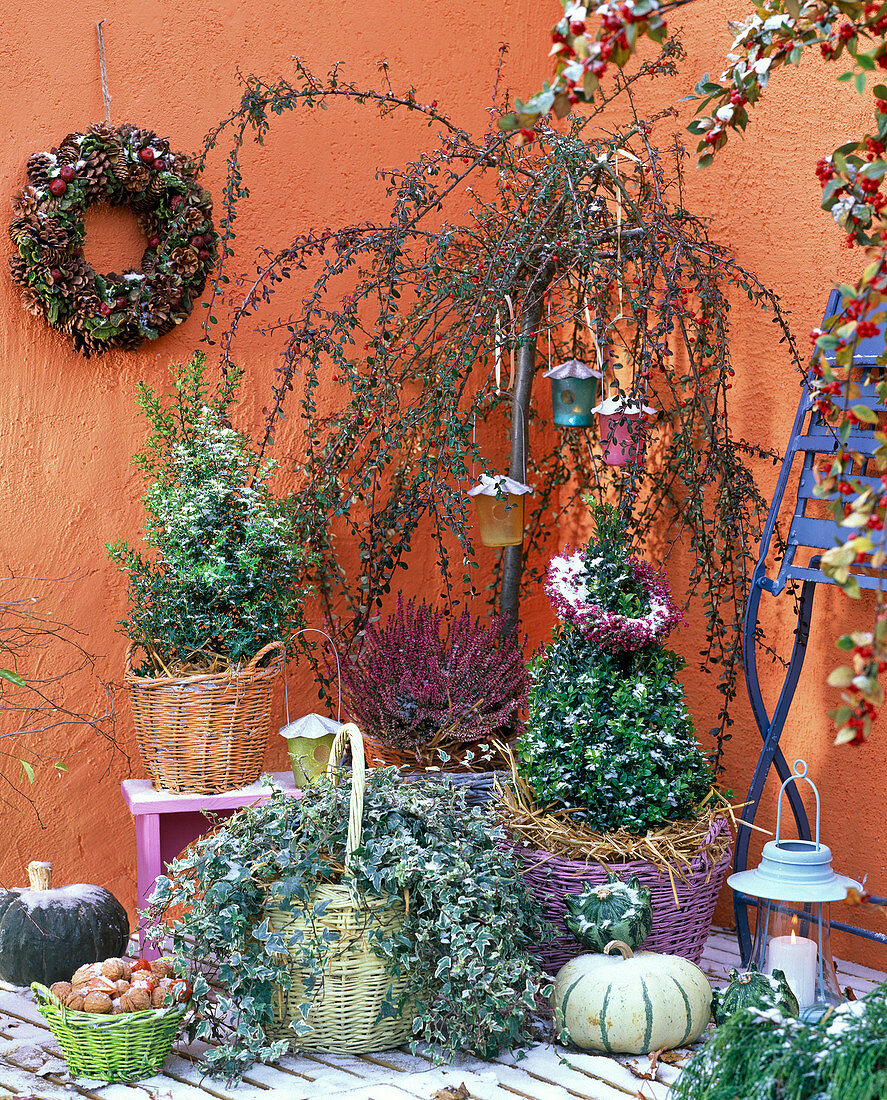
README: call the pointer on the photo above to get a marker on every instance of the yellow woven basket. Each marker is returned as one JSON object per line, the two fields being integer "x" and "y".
{"x": 346, "y": 1005}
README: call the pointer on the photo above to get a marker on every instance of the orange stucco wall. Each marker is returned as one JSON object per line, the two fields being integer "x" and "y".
{"x": 68, "y": 426}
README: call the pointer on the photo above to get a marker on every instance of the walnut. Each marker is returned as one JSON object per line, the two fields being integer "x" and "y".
{"x": 74, "y": 1000}
{"x": 112, "y": 969}
{"x": 86, "y": 973}
{"x": 136, "y": 1000}
{"x": 163, "y": 968}
{"x": 122, "y": 986}
{"x": 60, "y": 989}
{"x": 159, "y": 994}
{"x": 97, "y": 1002}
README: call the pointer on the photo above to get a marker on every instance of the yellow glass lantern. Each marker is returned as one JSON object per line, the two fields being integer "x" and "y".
{"x": 500, "y": 510}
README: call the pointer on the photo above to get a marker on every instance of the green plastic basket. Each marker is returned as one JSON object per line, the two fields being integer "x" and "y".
{"x": 111, "y": 1048}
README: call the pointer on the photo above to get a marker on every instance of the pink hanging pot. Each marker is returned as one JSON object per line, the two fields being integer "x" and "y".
{"x": 622, "y": 430}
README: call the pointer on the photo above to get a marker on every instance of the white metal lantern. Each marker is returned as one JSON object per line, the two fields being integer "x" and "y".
{"x": 792, "y": 888}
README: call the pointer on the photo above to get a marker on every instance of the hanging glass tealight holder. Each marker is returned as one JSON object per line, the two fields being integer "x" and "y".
{"x": 574, "y": 389}
{"x": 499, "y": 501}
{"x": 622, "y": 429}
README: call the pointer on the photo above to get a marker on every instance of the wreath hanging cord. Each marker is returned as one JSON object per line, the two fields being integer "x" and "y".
{"x": 123, "y": 166}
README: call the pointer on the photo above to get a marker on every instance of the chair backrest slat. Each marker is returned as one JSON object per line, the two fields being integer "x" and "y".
{"x": 816, "y": 442}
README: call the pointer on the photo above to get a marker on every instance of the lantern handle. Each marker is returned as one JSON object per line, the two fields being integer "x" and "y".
{"x": 799, "y": 771}
{"x": 286, "y": 698}
{"x": 523, "y": 443}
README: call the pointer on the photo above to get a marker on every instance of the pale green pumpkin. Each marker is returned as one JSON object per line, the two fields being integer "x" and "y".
{"x": 630, "y": 1004}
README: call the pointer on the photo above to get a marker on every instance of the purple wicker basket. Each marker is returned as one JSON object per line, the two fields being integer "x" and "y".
{"x": 677, "y": 930}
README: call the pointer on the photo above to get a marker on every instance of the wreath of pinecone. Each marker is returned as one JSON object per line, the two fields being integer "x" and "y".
{"x": 124, "y": 166}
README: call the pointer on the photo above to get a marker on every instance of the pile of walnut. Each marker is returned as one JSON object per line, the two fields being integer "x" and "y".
{"x": 119, "y": 985}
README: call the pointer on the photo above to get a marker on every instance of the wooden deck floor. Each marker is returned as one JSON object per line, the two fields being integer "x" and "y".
{"x": 31, "y": 1066}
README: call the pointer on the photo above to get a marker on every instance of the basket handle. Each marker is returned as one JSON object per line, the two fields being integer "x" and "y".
{"x": 263, "y": 652}
{"x": 350, "y": 733}
{"x": 41, "y": 993}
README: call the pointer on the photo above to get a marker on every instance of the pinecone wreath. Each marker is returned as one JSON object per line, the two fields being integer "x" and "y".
{"x": 125, "y": 166}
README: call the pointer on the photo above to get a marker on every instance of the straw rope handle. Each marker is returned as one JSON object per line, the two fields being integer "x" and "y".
{"x": 349, "y": 733}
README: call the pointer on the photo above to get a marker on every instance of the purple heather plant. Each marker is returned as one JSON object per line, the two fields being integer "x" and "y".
{"x": 412, "y": 686}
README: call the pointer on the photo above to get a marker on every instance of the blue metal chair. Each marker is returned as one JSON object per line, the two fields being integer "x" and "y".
{"x": 812, "y": 442}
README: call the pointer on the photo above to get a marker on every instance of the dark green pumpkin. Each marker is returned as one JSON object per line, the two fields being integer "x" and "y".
{"x": 613, "y": 910}
{"x": 46, "y": 933}
{"x": 752, "y": 989}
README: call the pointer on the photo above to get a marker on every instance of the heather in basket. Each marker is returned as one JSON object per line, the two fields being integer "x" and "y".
{"x": 224, "y": 573}
{"x": 463, "y": 950}
{"x": 423, "y": 684}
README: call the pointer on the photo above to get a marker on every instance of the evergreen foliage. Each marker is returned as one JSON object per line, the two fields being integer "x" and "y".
{"x": 465, "y": 945}
{"x": 761, "y": 1055}
{"x": 608, "y": 735}
{"x": 227, "y": 574}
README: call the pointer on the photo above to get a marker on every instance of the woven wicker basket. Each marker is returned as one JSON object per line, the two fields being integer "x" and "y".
{"x": 204, "y": 734}
{"x": 457, "y": 771}
{"x": 683, "y": 905}
{"x": 345, "y": 1008}
{"x": 111, "y": 1048}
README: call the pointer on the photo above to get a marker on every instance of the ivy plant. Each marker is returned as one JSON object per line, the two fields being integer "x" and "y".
{"x": 471, "y": 982}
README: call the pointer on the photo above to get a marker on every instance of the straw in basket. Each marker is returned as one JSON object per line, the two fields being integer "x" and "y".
{"x": 683, "y": 904}
{"x": 204, "y": 734}
{"x": 346, "y": 1004}
{"x": 111, "y": 1048}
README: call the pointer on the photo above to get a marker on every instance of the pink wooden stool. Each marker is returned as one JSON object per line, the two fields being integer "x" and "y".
{"x": 166, "y": 823}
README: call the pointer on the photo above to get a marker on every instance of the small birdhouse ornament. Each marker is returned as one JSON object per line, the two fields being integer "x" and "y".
{"x": 309, "y": 741}
{"x": 500, "y": 509}
{"x": 574, "y": 389}
{"x": 622, "y": 429}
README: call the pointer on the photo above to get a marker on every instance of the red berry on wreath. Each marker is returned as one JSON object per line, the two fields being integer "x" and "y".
{"x": 196, "y": 242}
{"x": 58, "y": 187}
{"x": 120, "y": 303}
{"x": 208, "y": 239}
{"x": 104, "y": 309}
{"x": 55, "y": 274}
{"x": 176, "y": 202}
{"x": 67, "y": 173}
{"x": 147, "y": 155}
{"x": 158, "y": 164}
{"x": 153, "y": 243}
{"x": 203, "y": 253}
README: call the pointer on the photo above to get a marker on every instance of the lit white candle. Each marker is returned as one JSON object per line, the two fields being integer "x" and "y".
{"x": 795, "y": 956}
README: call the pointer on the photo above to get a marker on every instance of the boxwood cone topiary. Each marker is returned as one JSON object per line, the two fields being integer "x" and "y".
{"x": 608, "y": 734}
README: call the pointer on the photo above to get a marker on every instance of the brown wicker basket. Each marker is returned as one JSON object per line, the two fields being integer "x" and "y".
{"x": 204, "y": 734}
